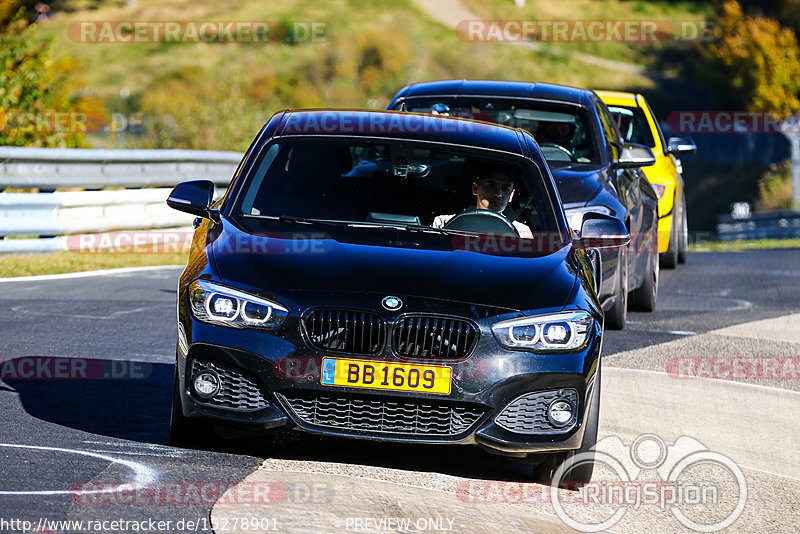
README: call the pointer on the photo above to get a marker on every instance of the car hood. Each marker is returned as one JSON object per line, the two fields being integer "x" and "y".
{"x": 282, "y": 264}
{"x": 578, "y": 184}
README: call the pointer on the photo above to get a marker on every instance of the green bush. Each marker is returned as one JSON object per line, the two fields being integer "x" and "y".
{"x": 775, "y": 188}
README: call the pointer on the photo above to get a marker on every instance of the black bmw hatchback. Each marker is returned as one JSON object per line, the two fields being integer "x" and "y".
{"x": 392, "y": 276}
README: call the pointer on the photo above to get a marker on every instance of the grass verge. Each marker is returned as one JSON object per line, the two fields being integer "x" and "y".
{"x": 69, "y": 262}
{"x": 741, "y": 246}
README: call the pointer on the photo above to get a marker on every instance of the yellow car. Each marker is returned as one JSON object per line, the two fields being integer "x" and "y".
{"x": 638, "y": 125}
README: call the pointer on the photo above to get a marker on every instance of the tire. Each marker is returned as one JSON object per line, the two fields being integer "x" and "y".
{"x": 669, "y": 259}
{"x": 582, "y": 473}
{"x": 645, "y": 296}
{"x": 618, "y": 314}
{"x": 184, "y": 431}
{"x": 683, "y": 235}
{"x": 544, "y": 470}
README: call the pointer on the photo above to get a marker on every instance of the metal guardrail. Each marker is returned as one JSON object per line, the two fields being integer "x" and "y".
{"x": 44, "y": 216}
{"x": 62, "y": 168}
{"x": 762, "y": 225}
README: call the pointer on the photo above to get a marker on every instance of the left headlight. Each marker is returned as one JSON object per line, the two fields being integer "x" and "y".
{"x": 217, "y": 304}
{"x": 575, "y": 215}
{"x": 561, "y": 331}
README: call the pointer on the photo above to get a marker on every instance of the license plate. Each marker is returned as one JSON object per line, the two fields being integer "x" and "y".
{"x": 385, "y": 375}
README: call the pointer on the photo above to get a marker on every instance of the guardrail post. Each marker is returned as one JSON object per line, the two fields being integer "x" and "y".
{"x": 794, "y": 140}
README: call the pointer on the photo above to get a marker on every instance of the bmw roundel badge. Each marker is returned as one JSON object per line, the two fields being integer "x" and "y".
{"x": 392, "y": 303}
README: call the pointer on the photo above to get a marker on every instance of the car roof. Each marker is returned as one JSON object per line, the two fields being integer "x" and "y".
{"x": 401, "y": 125}
{"x": 538, "y": 91}
{"x": 619, "y": 98}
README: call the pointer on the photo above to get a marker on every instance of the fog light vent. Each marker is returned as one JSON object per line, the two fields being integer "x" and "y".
{"x": 541, "y": 412}
{"x": 235, "y": 390}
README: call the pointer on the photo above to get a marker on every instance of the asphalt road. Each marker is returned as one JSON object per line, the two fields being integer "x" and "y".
{"x": 61, "y": 434}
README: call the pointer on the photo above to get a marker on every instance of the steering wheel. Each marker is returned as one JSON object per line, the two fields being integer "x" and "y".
{"x": 558, "y": 148}
{"x": 478, "y": 220}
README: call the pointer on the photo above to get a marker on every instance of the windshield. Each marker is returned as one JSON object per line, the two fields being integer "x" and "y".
{"x": 633, "y": 125}
{"x": 374, "y": 183}
{"x": 564, "y": 133}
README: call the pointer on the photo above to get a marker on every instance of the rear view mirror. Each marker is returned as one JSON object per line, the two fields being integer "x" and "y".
{"x": 601, "y": 231}
{"x": 194, "y": 197}
{"x": 633, "y": 155}
{"x": 681, "y": 145}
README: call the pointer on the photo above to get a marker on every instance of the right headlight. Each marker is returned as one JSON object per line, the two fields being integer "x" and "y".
{"x": 217, "y": 304}
{"x": 563, "y": 331}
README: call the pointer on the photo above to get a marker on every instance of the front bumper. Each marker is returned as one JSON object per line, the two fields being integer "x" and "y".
{"x": 284, "y": 368}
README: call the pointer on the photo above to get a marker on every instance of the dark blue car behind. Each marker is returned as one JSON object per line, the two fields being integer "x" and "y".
{"x": 587, "y": 156}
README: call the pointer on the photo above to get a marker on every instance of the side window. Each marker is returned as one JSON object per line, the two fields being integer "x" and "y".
{"x": 658, "y": 126}
{"x": 609, "y": 130}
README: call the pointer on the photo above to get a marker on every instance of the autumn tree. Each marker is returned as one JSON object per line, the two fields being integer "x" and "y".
{"x": 752, "y": 62}
{"x": 36, "y": 103}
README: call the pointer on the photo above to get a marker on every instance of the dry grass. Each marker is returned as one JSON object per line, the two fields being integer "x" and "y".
{"x": 742, "y": 246}
{"x": 67, "y": 262}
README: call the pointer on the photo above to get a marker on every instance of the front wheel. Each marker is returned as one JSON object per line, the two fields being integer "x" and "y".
{"x": 645, "y": 296}
{"x": 582, "y": 472}
{"x": 669, "y": 259}
{"x": 683, "y": 245}
{"x": 618, "y": 314}
{"x": 183, "y": 430}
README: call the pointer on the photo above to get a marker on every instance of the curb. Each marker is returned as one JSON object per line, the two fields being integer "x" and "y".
{"x": 723, "y": 415}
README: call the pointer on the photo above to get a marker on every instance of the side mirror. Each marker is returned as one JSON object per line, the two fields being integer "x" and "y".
{"x": 633, "y": 155}
{"x": 681, "y": 145}
{"x": 194, "y": 197}
{"x": 602, "y": 231}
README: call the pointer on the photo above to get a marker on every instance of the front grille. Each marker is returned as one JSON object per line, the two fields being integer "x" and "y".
{"x": 528, "y": 414}
{"x": 237, "y": 392}
{"x": 345, "y": 331}
{"x": 383, "y": 415}
{"x": 433, "y": 337}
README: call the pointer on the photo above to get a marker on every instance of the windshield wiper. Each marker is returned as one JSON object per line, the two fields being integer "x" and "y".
{"x": 301, "y": 220}
{"x": 354, "y": 224}
{"x": 428, "y": 229}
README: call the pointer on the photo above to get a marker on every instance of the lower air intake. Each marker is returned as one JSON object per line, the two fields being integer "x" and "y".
{"x": 383, "y": 415}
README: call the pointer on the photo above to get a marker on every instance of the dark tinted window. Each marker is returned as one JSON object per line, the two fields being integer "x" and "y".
{"x": 564, "y": 133}
{"x": 383, "y": 182}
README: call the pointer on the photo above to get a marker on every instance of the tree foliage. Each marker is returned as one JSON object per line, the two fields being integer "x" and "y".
{"x": 753, "y": 61}
{"x": 36, "y": 106}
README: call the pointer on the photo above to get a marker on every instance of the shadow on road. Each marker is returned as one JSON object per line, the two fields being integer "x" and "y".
{"x": 129, "y": 400}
